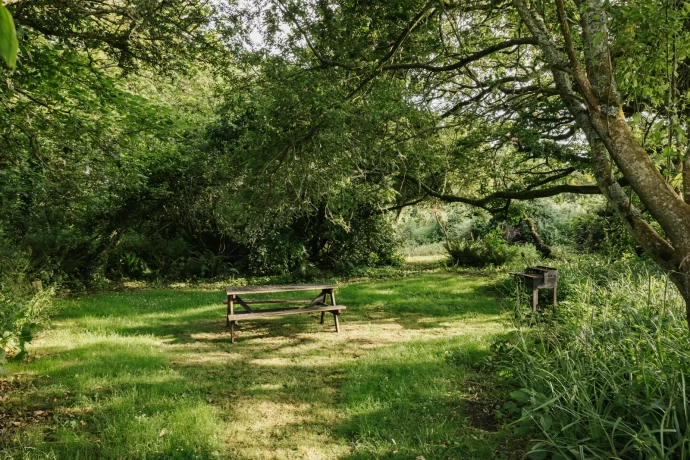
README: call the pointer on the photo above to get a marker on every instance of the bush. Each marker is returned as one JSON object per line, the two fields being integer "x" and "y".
{"x": 492, "y": 249}
{"x": 608, "y": 376}
{"x": 602, "y": 232}
{"x": 22, "y": 309}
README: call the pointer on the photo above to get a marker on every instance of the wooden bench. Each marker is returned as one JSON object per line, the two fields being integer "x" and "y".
{"x": 536, "y": 278}
{"x": 318, "y": 304}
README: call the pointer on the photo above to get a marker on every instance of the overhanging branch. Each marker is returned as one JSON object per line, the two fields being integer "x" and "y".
{"x": 527, "y": 194}
{"x": 462, "y": 62}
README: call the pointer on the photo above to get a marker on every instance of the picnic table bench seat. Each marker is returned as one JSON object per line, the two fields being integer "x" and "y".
{"x": 313, "y": 305}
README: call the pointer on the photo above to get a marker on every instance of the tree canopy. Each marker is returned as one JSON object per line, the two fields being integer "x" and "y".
{"x": 175, "y": 114}
{"x": 511, "y": 100}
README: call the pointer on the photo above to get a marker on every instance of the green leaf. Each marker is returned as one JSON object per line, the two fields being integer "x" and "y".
{"x": 546, "y": 422}
{"x": 520, "y": 396}
{"x": 511, "y": 407}
{"x": 28, "y": 331}
{"x": 8, "y": 38}
{"x": 537, "y": 453}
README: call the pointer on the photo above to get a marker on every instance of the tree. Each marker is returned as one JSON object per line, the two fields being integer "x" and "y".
{"x": 91, "y": 119}
{"x": 612, "y": 142}
{"x": 533, "y": 95}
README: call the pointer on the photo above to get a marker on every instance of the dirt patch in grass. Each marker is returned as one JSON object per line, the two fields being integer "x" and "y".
{"x": 16, "y": 413}
{"x": 480, "y": 415}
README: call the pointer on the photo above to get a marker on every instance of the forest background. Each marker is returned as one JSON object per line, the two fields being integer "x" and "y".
{"x": 161, "y": 141}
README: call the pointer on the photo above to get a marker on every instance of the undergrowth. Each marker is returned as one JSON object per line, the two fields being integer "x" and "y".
{"x": 608, "y": 375}
{"x": 23, "y": 308}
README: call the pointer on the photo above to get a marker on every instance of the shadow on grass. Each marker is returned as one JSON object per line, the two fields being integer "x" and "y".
{"x": 110, "y": 399}
{"x": 153, "y": 374}
{"x": 412, "y": 303}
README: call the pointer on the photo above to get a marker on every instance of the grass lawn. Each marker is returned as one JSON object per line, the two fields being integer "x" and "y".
{"x": 152, "y": 374}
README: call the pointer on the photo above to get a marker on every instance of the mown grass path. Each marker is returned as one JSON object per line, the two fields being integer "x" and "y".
{"x": 152, "y": 374}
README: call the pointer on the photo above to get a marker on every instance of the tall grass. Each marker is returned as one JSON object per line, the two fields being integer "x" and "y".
{"x": 608, "y": 375}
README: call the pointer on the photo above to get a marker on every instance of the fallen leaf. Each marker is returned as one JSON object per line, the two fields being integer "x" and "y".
{"x": 163, "y": 432}
{"x": 39, "y": 412}
{"x": 421, "y": 457}
{"x": 17, "y": 423}
{"x": 83, "y": 423}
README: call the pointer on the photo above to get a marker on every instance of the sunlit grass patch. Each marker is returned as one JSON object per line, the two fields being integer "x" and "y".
{"x": 152, "y": 373}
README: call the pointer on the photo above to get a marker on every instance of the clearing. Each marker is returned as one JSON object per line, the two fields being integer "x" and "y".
{"x": 152, "y": 374}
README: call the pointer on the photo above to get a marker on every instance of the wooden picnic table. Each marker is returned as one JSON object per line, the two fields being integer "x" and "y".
{"x": 312, "y": 305}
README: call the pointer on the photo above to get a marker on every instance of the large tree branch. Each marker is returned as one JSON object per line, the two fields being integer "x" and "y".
{"x": 402, "y": 205}
{"x": 663, "y": 203}
{"x": 462, "y": 62}
{"x": 577, "y": 70}
{"x": 527, "y": 194}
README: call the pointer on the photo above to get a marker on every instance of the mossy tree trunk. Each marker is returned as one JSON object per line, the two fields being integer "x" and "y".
{"x": 612, "y": 142}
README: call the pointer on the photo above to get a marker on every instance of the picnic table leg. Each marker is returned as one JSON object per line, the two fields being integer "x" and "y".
{"x": 231, "y": 302}
{"x": 555, "y": 296}
{"x": 326, "y": 293}
{"x": 231, "y": 311}
{"x": 335, "y": 319}
{"x": 535, "y": 299}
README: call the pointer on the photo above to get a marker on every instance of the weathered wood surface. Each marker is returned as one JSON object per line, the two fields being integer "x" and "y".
{"x": 539, "y": 277}
{"x": 258, "y": 301}
{"x": 527, "y": 275}
{"x": 284, "y": 311}
{"x": 316, "y": 305}
{"x": 276, "y": 288}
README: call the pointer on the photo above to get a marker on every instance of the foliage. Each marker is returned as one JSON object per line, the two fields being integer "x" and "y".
{"x": 602, "y": 231}
{"x": 22, "y": 309}
{"x": 96, "y": 125}
{"x": 607, "y": 376}
{"x": 490, "y": 249}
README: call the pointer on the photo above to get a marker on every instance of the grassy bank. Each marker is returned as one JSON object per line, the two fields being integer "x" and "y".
{"x": 151, "y": 374}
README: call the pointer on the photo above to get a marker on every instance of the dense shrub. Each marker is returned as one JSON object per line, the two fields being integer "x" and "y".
{"x": 602, "y": 231}
{"x": 608, "y": 376}
{"x": 171, "y": 255}
{"x": 23, "y": 309}
{"x": 316, "y": 243}
{"x": 492, "y": 249}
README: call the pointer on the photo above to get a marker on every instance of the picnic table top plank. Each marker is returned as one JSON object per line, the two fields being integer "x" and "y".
{"x": 284, "y": 311}
{"x": 235, "y": 290}
{"x": 527, "y": 275}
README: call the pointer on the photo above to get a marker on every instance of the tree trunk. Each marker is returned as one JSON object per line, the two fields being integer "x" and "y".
{"x": 611, "y": 141}
{"x": 543, "y": 248}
